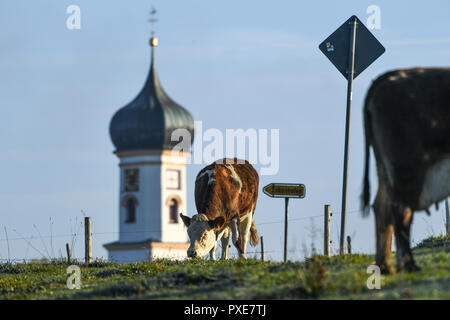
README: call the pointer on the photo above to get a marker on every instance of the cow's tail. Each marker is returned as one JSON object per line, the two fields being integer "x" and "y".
{"x": 254, "y": 238}
{"x": 365, "y": 197}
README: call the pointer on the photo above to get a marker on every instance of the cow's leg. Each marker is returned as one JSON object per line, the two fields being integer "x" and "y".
{"x": 244, "y": 231}
{"x": 235, "y": 233}
{"x": 220, "y": 236}
{"x": 403, "y": 216}
{"x": 225, "y": 243}
{"x": 384, "y": 230}
{"x": 212, "y": 253}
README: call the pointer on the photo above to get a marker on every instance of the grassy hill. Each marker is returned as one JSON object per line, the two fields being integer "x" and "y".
{"x": 337, "y": 277}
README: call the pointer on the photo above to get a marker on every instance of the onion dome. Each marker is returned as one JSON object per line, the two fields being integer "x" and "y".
{"x": 148, "y": 121}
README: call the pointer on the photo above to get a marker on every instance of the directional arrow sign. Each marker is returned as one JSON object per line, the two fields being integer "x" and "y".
{"x": 285, "y": 190}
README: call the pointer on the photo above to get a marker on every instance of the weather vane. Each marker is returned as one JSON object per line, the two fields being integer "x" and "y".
{"x": 153, "y": 39}
{"x": 153, "y": 20}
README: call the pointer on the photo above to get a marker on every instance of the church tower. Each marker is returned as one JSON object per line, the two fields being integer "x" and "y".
{"x": 152, "y": 175}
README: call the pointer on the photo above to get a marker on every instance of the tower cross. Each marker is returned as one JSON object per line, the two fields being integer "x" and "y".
{"x": 153, "y": 20}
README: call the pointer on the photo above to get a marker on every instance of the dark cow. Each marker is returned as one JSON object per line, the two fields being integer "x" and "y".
{"x": 407, "y": 122}
{"x": 225, "y": 196}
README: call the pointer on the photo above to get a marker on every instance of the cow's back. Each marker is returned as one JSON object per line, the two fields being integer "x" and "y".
{"x": 225, "y": 188}
{"x": 409, "y": 115}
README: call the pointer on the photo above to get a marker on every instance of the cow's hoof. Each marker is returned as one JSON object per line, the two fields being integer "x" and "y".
{"x": 412, "y": 267}
{"x": 386, "y": 269}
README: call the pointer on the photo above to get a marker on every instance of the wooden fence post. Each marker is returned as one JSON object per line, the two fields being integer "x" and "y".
{"x": 349, "y": 244}
{"x": 262, "y": 248}
{"x": 87, "y": 240}
{"x": 69, "y": 255}
{"x": 447, "y": 216}
{"x": 326, "y": 237}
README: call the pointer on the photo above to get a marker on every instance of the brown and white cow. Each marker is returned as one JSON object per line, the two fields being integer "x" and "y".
{"x": 225, "y": 196}
{"x": 407, "y": 122}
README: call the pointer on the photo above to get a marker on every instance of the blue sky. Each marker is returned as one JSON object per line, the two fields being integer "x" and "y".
{"x": 232, "y": 64}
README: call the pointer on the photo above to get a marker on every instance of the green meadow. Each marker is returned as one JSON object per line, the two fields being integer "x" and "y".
{"x": 319, "y": 277}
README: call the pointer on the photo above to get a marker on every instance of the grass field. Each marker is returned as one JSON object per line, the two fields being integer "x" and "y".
{"x": 337, "y": 277}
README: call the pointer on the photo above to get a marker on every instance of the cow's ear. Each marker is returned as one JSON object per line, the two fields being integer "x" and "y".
{"x": 217, "y": 223}
{"x": 186, "y": 220}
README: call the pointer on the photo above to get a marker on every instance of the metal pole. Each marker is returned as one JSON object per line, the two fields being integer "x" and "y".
{"x": 447, "y": 216}
{"x": 350, "y": 72}
{"x": 7, "y": 243}
{"x": 326, "y": 228}
{"x": 286, "y": 205}
{"x": 87, "y": 240}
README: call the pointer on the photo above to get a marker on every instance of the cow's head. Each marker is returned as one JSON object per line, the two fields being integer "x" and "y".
{"x": 202, "y": 233}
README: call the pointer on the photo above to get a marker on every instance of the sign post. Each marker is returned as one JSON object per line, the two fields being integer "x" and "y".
{"x": 286, "y": 211}
{"x": 351, "y": 49}
{"x": 286, "y": 191}
{"x": 350, "y": 72}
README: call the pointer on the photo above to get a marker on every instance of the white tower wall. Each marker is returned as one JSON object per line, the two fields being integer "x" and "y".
{"x": 153, "y": 234}
{"x": 173, "y": 232}
{"x": 148, "y": 217}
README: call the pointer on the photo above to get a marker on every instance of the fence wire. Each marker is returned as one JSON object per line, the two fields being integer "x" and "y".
{"x": 74, "y": 236}
{"x": 147, "y": 231}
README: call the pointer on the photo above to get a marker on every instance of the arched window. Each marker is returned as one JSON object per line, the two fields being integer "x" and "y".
{"x": 173, "y": 211}
{"x": 130, "y": 205}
